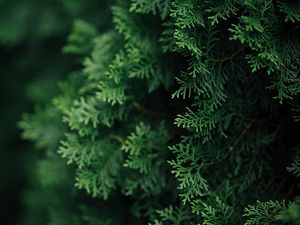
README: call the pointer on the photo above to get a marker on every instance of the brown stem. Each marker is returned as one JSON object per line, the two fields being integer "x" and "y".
{"x": 248, "y": 125}
{"x": 178, "y": 134}
{"x": 234, "y": 54}
{"x": 119, "y": 139}
{"x": 296, "y": 27}
{"x": 147, "y": 111}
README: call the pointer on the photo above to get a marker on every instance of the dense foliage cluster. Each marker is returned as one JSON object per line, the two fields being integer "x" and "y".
{"x": 176, "y": 112}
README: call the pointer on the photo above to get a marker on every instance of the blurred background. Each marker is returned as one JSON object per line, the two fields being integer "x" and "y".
{"x": 32, "y": 35}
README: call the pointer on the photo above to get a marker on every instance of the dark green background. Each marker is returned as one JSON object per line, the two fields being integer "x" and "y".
{"x": 32, "y": 35}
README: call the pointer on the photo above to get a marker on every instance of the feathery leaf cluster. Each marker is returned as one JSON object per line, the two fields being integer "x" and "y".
{"x": 180, "y": 112}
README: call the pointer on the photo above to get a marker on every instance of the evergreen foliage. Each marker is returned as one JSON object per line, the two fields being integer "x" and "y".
{"x": 179, "y": 112}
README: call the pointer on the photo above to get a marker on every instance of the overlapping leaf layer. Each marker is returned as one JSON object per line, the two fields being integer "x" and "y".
{"x": 179, "y": 112}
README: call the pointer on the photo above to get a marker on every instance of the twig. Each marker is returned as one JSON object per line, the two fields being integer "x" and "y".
{"x": 177, "y": 134}
{"x": 231, "y": 56}
{"x": 118, "y": 139}
{"x": 147, "y": 111}
{"x": 296, "y": 27}
{"x": 248, "y": 125}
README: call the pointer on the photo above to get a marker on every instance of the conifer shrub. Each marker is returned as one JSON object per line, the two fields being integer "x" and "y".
{"x": 176, "y": 112}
